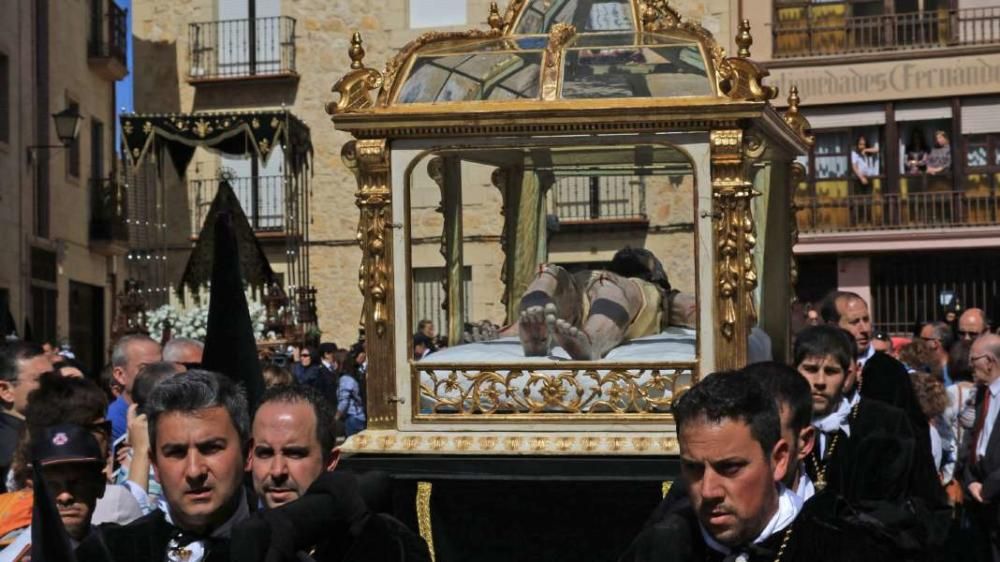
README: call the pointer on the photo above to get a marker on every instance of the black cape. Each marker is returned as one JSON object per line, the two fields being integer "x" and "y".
{"x": 816, "y": 535}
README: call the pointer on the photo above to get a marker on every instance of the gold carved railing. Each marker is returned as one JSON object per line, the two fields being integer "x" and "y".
{"x": 575, "y": 388}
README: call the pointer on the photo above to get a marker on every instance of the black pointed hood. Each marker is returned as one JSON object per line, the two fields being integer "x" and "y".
{"x": 230, "y": 343}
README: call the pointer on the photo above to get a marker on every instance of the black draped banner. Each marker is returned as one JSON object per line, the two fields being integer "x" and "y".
{"x": 257, "y": 132}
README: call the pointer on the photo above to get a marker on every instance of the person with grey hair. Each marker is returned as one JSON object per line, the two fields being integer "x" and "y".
{"x": 938, "y": 337}
{"x": 198, "y": 437}
{"x": 186, "y": 353}
{"x": 130, "y": 354}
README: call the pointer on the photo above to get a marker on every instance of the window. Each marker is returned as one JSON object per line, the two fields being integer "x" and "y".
{"x": 982, "y": 178}
{"x": 73, "y": 151}
{"x": 437, "y": 13}
{"x": 4, "y": 98}
{"x": 823, "y": 27}
{"x": 96, "y": 149}
{"x": 428, "y": 296}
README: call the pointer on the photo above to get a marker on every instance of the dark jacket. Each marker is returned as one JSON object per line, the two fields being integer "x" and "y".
{"x": 817, "y": 534}
{"x": 987, "y": 469}
{"x": 143, "y": 540}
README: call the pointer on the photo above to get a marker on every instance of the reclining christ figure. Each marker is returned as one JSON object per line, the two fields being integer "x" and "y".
{"x": 589, "y": 313}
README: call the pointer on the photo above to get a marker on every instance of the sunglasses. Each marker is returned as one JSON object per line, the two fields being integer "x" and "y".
{"x": 968, "y": 334}
{"x": 190, "y": 366}
{"x": 304, "y": 355}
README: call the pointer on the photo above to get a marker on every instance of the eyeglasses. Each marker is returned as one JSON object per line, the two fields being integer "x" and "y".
{"x": 967, "y": 334}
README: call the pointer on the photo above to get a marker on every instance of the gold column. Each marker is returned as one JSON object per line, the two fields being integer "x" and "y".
{"x": 508, "y": 181}
{"x": 735, "y": 238}
{"x": 447, "y": 172}
{"x": 546, "y": 180}
{"x": 369, "y": 160}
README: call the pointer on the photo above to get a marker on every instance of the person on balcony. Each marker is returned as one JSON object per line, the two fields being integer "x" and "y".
{"x": 939, "y": 159}
{"x": 865, "y": 165}
{"x": 864, "y": 161}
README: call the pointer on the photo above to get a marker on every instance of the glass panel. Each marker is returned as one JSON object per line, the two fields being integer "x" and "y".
{"x": 586, "y": 15}
{"x": 462, "y": 219}
{"x": 831, "y": 155}
{"x": 791, "y": 35}
{"x": 635, "y": 72}
{"x": 472, "y": 77}
{"x": 976, "y": 156}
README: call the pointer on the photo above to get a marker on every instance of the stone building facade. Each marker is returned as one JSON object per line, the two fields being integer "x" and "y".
{"x": 167, "y": 43}
{"x": 917, "y": 81}
{"x": 61, "y": 220}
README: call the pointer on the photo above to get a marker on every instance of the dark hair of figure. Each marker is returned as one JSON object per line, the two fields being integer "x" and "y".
{"x": 828, "y": 306}
{"x": 298, "y": 393}
{"x": 147, "y": 378}
{"x": 11, "y": 353}
{"x": 787, "y": 386}
{"x": 959, "y": 368}
{"x": 731, "y": 396}
{"x": 823, "y": 340}
{"x": 199, "y": 390}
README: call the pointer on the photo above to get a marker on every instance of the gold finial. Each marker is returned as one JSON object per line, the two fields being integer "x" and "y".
{"x": 356, "y": 52}
{"x": 793, "y": 99}
{"x": 648, "y": 14}
{"x": 495, "y": 21}
{"x": 744, "y": 40}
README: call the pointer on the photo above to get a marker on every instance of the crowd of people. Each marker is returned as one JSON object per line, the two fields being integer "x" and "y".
{"x": 862, "y": 448}
{"x": 857, "y": 450}
{"x": 161, "y": 460}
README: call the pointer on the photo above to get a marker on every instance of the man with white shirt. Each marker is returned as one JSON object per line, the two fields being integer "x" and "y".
{"x": 734, "y": 459}
{"x": 879, "y": 376}
{"x": 981, "y": 473}
{"x": 198, "y": 432}
{"x": 866, "y": 449}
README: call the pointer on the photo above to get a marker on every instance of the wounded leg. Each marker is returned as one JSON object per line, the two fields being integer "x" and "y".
{"x": 552, "y": 294}
{"x": 614, "y": 302}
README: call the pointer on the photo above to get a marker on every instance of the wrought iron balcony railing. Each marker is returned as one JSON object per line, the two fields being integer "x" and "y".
{"x": 896, "y": 211}
{"x": 262, "y": 198}
{"x": 234, "y": 49}
{"x": 599, "y": 198}
{"x": 830, "y": 33}
{"x": 107, "y": 46}
{"x": 108, "y": 212}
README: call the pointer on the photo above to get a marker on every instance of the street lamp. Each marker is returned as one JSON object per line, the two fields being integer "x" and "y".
{"x": 67, "y": 124}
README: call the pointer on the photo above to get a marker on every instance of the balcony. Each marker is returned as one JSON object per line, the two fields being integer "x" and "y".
{"x": 897, "y": 211}
{"x": 241, "y": 49}
{"x": 108, "y": 216}
{"x": 262, "y": 199}
{"x": 107, "y": 46}
{"x": 580, "y": 200}
{"x": 832, "y": 33}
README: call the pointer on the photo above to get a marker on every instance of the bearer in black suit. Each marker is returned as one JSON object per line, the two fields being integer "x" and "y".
{"x": 981, "y": 472}
{"x": 198, "y": 430}
{"x": 733, "y": 458}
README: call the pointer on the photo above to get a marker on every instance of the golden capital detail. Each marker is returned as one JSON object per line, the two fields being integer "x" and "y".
{"x": 369, "y": 161}
{"x": 735, "y": 239}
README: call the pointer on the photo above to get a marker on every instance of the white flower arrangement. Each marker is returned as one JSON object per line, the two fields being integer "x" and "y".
{"x": 192, "y": 321}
